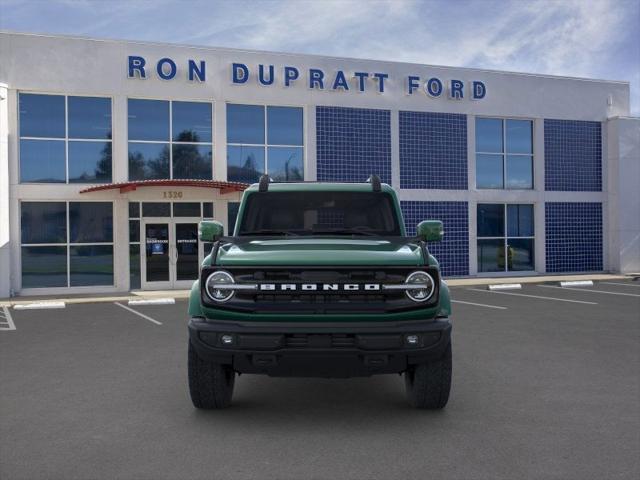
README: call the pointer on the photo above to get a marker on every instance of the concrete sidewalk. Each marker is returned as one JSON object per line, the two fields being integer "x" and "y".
{"x": 182, "y": 294}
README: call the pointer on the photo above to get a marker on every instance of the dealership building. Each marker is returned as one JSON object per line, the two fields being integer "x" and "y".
{"x": 111, "y": 152}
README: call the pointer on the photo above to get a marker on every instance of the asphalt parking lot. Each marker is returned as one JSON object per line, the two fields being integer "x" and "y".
{"x": 546, "y": 385}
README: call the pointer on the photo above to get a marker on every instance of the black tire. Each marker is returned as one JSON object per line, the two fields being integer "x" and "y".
{"x": 210, "y": 384}
{"x": 428, "y": 384}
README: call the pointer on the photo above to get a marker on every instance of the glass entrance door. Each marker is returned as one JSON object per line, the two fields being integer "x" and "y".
{"x": 187, "y": 253}
{"x": 171, "y": 253}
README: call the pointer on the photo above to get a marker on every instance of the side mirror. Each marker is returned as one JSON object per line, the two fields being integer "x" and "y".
{"x": 430, "y": 230}
{"x": 210, "y": 231}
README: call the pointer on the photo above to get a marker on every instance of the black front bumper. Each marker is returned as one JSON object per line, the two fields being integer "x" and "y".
{"x": 319, "y": 349}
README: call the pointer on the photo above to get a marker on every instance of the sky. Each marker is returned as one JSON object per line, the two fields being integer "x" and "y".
{"x": 579, "y": 38}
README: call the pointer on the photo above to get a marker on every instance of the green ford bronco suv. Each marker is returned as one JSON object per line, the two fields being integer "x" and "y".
{"x": 320, "y": 280}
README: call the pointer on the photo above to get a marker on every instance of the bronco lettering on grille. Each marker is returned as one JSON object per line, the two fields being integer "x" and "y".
{"x": 314, "y": 287}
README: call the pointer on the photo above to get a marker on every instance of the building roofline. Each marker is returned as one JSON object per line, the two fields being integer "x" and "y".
{"x": 316, "y": 55}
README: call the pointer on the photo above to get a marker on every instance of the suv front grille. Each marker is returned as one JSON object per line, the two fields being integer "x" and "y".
{"x": 320, "y": 341}
{"x": 320, "y": 301}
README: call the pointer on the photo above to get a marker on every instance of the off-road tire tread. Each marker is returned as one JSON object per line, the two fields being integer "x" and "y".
{"x": 210, "y": 384}
{"x": 428, "y": 384}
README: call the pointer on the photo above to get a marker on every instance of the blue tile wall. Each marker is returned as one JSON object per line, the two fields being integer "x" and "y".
{"x": 572, "y": 155}
{"x": 353, "y": 143}
{"x": 433, "y": 150}
{"x": 453, "y": 251}
{"x": 573, "y": 236}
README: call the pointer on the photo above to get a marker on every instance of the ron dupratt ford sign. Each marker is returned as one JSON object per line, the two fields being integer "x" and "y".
{"x": 314, "y": 78}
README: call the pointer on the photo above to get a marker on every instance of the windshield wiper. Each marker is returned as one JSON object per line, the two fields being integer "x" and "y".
{"x": 346, "y": 231}
{"x": 268, "y": 231}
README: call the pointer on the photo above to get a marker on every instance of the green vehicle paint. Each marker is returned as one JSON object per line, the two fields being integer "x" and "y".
{"x": 336, "y": 251}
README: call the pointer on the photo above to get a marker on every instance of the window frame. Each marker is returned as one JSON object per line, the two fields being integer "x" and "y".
{"x": 265, "y": 146}
{"x": 66, "y": 139}
{"x": 67, "y": 244}
{"x": 504, "y": 154}
{"x": 170, "y": 142}
{"x": 506, "y": 236}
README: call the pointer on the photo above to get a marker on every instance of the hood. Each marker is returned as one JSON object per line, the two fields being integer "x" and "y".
{"x": 320, "y": 251}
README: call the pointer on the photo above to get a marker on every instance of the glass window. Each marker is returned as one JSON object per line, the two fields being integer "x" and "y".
{"x": 519, "y": 136}
{"x": 89, "y": 162}
{"x": 520, "y": 254}
{"x": 491, "y": 255}
{"x": 148, "y": 161}
{"x": 248, "y": 156}
{"x": 191, "y": 122}
{"x": 504, "y": 153}
{"x": 148, "y": 119}
{"x": 44, "y": 267}
{"x": 489, "y": 135}
{"x": 52, "y": 222}
{"x": 89, "y": 117}
{"x": 490, "y": 220}
{"x": 245, "y": 124}
{"x": 519, "y": 172}
{"x": 186, "y": 209}
{"x": 90, "y": 222}
{"x": 178, "y": 149}
{"x": 42, "y": 115}
{"x": 345, "y": 213}
{"x": 285, "y": 164}
{"x": 134, "y": 230}
{"x": 207, "y": 210}
{"x": 48, "y": 161}
{"x": 43, "y": 222}
{"x": 284, "y": 126}
{"x": 520, "y": 220}
{"x": 156, "y": 209}
{"x": 192, "y": 161}
{"x": 245, "y": 164}
{"x": 91, "y": 265}
{"x": 232, "y": 214}
{"x": 134, "y": 210}
{"x": 513, "y": 251}
{"x": 134, "y": 266}
{"x": 42, "y": 161}
{"x": 489, "y": 171}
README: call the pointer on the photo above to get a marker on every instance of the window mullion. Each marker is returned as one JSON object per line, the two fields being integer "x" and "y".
{"x": 504, "y": 155}
{"x": 66, "y": 139}
{"x": 171, "y": 139}
{"x": 68, "y": 249}
{"x": 506, "y": 233}
{"x": 266, "y": 142}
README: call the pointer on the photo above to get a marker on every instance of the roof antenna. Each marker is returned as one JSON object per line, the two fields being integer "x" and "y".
{"x": 264, "y": 183}
{"x": 374, "y": 180}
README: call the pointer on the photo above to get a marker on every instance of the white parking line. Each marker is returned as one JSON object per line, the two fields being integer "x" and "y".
{"x": 138, "y": 313}
{"x": 622, "y": 284}
{"x": 7, "y": 324}
{"x": 591, "y": 290}
{"x": 535, "y": 296}
{"x": 479, "y": 304}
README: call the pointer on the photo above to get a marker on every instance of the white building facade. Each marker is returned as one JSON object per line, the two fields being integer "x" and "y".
{"x": 111, "y": 152}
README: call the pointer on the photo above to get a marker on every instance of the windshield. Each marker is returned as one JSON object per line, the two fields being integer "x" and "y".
{"x": 319, "y": 213}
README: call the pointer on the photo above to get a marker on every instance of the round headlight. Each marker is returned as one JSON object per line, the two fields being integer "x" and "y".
{"x": 426, "y": 289}
{"x": 214, "y": 291}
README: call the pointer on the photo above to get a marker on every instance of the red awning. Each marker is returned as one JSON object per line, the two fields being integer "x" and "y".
{"x": 224, "y": 187}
